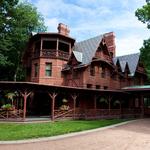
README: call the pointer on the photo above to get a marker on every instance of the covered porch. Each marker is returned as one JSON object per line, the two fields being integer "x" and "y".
{"x": 51, "y": 102}
{"x": 141, "y": 95}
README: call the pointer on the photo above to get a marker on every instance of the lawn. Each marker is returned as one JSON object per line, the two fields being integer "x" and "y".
{"x": 16, "y": 131}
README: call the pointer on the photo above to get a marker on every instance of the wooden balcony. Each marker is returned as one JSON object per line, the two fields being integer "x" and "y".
{"x": 55, "y": 54}
{"x": 52, "y": 53}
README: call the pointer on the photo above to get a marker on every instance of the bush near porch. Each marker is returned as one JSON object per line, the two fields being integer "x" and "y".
{"x": 18, "y": 131}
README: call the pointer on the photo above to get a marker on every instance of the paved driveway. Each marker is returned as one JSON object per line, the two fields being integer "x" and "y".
{"x": 132, "y": 136}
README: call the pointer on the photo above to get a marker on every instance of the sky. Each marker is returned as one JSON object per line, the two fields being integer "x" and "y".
{"x": 89, "y": 18}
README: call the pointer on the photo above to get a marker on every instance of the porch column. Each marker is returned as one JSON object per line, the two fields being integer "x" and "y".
{"x": 95, "y": 105}
{"x": 120, "y": 107}
{"x": 74, "y": 97}
{"x": 25, "y": 96}
{"x": 53, "y": 96}
{"x": 109, "y": 103}
{"x": 142, "y": 106}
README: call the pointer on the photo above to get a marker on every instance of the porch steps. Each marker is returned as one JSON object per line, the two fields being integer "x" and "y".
{"x": 63, "y": 114}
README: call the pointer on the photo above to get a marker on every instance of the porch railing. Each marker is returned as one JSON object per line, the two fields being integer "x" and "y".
{"x": 11, "y": 114}
{"x": 97, "y": 113}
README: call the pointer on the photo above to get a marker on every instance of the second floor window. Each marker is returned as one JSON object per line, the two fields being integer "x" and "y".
{"x": 36, "y": 70}
{"x": 103, "y": 74}
{"x": 92, "y": 70}
{"x": 48, "y": 69}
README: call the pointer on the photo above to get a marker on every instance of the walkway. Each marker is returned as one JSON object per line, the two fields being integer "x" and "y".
{"x": 132, "y": 136}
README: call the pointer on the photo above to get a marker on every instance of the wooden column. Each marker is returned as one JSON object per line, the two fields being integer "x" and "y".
{"x": 142, "y": 105}
{"x": 41, "y": 47}
{"x": 120, "y": 108}
{"x": 25, "y": 95}
{"x": 109, "y": 103}
{"x": 53, "y": 96}
{"x": 74, "y": 97}
{"x": 57, "y": 47}
{"x": 95, "y": 105}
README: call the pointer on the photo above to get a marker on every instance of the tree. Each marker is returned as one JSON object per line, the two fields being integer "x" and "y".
{"x": 17, "y": 21}
{"x": 143, "y": 15}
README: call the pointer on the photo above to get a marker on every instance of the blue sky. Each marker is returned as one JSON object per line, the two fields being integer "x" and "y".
{"x": 89, "y": 18}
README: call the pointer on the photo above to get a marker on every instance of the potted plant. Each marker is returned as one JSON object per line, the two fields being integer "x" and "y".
{"x": 7, "y": 107}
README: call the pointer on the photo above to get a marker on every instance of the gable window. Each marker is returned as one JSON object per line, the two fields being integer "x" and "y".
{"x": 75, "y": 74}
{"x": 114, "y": 77}
{"x": 48, "y": 69}
{"x": 92, "y": 70}
{"x": 36, "y": 70}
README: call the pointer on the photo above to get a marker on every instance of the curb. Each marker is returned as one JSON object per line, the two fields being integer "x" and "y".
{"x": 58, "y": 137}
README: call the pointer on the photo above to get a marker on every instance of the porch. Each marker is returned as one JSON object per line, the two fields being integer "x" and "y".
{"x": 81, "y": 103}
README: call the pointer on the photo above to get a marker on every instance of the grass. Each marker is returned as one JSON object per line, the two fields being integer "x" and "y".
{"x": 16, "y": 131}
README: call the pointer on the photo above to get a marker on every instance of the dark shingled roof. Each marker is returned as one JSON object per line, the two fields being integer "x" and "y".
{"x": 131, "y": 59}
{"x": 88, "y": 48}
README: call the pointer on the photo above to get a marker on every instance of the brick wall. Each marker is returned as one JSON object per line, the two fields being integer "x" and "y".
{"x": 55, "y": 78}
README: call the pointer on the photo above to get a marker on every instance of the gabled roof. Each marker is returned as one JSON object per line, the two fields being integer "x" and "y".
{"x": 123, "y": 65}
{"x": 88, "y": 48}
{"x": 78, "y": 56}
{"x": 132, "y": 61}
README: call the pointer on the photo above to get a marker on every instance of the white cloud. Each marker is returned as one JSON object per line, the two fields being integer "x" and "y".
{"x": 88, "y": 18}
{"x": 128, "y": 44}
{"x": 52, "y": 24}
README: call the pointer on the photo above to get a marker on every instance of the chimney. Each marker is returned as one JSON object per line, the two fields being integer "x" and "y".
{"x": 110, "y": 42}
{"x": 63, "y": 29}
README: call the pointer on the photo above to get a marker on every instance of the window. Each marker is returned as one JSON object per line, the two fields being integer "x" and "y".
{"x": 103, "y": 72}
{"x": 105, "y": 87}
{"x": 63, "y": 47}
{"x": 98, "y": 86}
{"x": 114, "y": 77}
{"x": 49, "y": 44}
{"x": 37, "y": 49}
{"x": 48, "y": 69}
{"x": 89, "y": 85}
{"x": 75, "y": 74}
{"x": 92, "y": 70}
{"x": 36, "y": 70}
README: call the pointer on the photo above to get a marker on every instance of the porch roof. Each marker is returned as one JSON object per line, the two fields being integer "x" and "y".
{"x": 31, "y": 86}
{"x": 141, "y": 88}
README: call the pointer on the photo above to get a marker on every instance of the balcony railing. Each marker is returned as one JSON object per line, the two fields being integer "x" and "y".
{"x": 49, "y": 53}
{"x": 63, "y": 55}
{"x": 55, "y": 54}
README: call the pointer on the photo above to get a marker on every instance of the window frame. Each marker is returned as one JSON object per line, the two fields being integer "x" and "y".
{"x": 48, "y": 71}
{"x": 36, "y": 70}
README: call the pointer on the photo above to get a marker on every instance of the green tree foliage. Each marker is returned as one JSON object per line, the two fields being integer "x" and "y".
{"x": 143, "y": 15}
{"x": 145, "y": 55}
{"x": 17, "y": 21}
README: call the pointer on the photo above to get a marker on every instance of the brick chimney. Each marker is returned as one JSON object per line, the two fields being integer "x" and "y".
{"x": 63, "y": 29}
{"x": 110, "y": 42}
